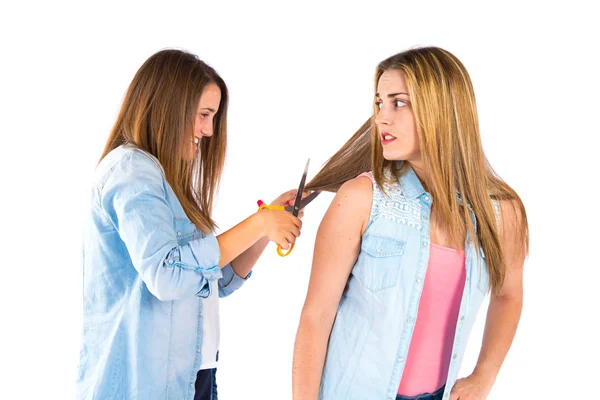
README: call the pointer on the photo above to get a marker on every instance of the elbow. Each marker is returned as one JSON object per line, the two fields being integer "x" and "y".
{"x": 512, "y": 303}
{"x": 317, "y": 318}
{"x": 173, "y": 279}
{"x": 179, "y": 285}
{"x": 165, "y": 293}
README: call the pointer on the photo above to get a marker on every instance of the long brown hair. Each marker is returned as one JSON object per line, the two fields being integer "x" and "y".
{"x": 157, "y": 116}
{"x": 443, "y": 103}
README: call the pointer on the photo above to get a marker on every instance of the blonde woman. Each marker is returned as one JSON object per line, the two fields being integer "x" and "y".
{"x": 420, "y": 230}
{"x": 153, "y": 268}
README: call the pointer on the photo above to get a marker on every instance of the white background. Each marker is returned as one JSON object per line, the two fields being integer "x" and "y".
{"x": 300, "y": 78}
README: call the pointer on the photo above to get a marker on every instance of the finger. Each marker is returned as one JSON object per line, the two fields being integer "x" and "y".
{"x": 291, "y": 199}
{"x": 289, "y": 236}
{"x": 297, "y": 221}
{"x": 296, "y": 232}
{"x": 288, "y": 196}
{"x": 454, "y": 395}
{"x": 283, "y": 243}
{"x": 289, "y": 193}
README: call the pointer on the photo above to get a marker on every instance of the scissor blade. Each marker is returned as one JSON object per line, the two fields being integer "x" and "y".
{"x": 296, "y": 209}
{"x": 305, "y": 201}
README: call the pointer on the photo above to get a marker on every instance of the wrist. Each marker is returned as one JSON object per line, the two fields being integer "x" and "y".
{"x": 486, "y": 374}
{"x": 258, "y": 222}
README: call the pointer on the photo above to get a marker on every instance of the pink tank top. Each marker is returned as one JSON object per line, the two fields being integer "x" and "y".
{"x": 428, "y": 358}
{"x": 430, "y": 349}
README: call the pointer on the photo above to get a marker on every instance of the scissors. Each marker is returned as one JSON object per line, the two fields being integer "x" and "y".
{"x": 299, "y": 204}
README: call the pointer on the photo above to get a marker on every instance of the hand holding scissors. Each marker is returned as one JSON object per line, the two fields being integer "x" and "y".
{"x": 298, "y": 205}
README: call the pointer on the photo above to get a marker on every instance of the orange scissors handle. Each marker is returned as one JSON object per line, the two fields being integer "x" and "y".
{"x": 281, "y": 253}
{"x": 279, "y": 249}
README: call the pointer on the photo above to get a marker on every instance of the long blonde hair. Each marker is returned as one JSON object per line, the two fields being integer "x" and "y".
{"x": 443, "y": 103}
{"x": 157, "y": 116}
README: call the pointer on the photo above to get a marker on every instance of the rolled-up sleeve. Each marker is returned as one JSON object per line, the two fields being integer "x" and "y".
{"x": 135, "y": 200}
{"x": 230, "y": 282}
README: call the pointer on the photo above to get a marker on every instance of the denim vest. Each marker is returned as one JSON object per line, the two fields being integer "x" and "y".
{"x": 376, "y": 316}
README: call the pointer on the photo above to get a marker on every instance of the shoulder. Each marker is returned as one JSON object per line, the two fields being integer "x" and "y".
{"x": 128, "y": 165}
{"x": 514, "y": 229}
{"x": 352, "y": 203}
{"x": 510, "y": 213}
{"x": 357, "y": 191}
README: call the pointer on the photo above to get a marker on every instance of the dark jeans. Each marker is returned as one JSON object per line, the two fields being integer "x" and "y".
{"x": 206, "y": 384}
{"x": 425, "y": 396}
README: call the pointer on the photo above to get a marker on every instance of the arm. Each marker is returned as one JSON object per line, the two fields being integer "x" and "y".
{"x": 169, "y": 271}
{"x": 245, "y": 236}
{"x": 336, "y": 249}
{"x": 240, "y": 269}
{"x": 504, "y": 312}
{"x": 235, "y": 274}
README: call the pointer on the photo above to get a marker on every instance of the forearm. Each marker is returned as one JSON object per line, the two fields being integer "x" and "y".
{"x": 309, "y": 357}
{"x": 501, "y": 325}
{"x": 238, "y": 240}
{"x": 244, "y": 263}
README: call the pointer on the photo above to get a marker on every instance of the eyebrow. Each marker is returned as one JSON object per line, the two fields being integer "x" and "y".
{"x": 393, "y": 94}
{"x": 209, "y": 109}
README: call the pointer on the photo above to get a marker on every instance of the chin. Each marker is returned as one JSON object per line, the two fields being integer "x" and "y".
{"x": 393, "y": 155}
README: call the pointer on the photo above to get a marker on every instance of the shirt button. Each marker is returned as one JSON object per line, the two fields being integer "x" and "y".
{"x": 409, "y": 320}
{"x": 425, "y": 244}
{"x": 170, "y": 261}
{"x": 426, "y": 198}
{"x": 425, "y": 217}
{"x": 378, "y": 251}
{"x": 462, "y": 318}
{"x": 418, "y": 280}
{"x": 198, "y": 350}
{"x": 178, "y": 233}
{"x": 454, "y": 356}
{"x": 192, "y": 385}
{"x": 401, "y": 359}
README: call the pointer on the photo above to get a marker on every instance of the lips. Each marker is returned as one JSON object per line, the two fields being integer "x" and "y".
{"x": 386, "y": 138}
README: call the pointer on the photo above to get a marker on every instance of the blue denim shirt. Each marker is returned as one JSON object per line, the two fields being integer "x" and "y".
{"x": 376, "y": 316}
{"x": 146, "y": 270}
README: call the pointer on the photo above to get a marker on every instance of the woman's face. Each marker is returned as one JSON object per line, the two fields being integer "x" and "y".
{"x": 395, "y": 119}
{"x": 204, "y": 120}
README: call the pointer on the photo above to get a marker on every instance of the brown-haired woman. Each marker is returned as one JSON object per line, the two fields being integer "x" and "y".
{"x": 420, "y": 230}
{"x": 153, "y": 269}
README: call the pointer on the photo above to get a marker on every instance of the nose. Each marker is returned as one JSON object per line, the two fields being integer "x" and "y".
{"x": 207, "y": 128}
{"x": 383, "y": 118}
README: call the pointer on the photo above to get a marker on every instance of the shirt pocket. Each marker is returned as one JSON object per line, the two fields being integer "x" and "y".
{"x": 185, "y": 230}
{"x": 379, "y": 261}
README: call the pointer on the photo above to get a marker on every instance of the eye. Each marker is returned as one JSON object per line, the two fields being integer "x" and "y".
{"x": 399, "y": 103}
{"x": 379, "y": 104}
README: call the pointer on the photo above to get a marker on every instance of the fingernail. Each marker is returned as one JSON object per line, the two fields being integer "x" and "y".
{"x": 260, "y": 203}
{"x": 287, "y": 203}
